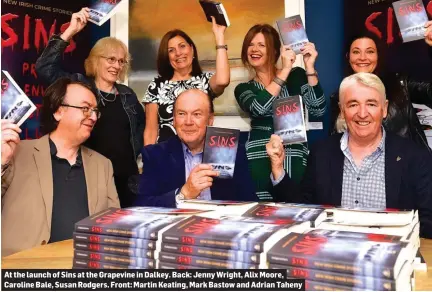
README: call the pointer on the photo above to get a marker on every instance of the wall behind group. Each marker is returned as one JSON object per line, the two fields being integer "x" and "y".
{"x": 324, "y": 26}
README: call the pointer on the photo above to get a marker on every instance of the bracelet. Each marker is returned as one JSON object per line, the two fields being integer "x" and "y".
{"x": 278, "y": 81}
{"x": 312, "y": 74}
{"x": 222, "y": 47}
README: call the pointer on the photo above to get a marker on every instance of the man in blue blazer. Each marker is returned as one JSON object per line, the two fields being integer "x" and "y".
{"x": 366, "y": 167}
{"x": 173, "y": 170}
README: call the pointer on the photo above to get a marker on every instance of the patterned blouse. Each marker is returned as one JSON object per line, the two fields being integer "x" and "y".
{"x": 164, "y": 93}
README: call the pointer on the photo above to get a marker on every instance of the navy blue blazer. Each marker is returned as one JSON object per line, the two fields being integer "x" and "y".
{"x": 408, "y": 178}
{"x": 164, "y": 172}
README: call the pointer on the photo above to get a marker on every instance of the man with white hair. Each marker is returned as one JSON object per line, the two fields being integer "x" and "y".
{"x": 365, "y": 167}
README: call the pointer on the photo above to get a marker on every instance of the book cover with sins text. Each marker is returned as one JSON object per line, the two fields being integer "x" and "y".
{"x": 411, "y": 17}
{"x": 289, "y": 120}
{"x": 220, "y": 150}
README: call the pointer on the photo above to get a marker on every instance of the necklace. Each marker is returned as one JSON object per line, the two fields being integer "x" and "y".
{"x": 104, "y": 97}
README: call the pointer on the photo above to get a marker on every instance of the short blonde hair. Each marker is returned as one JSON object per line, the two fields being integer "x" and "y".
{"x": 366, "y": 79}
{"x": 101, "y": 48}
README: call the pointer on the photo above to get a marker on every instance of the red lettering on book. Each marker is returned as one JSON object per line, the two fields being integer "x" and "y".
{"x": 286, "y": 109}
{"x": 94, "y": 247}
{"x": 94, "y": 238}
{"x": 96, "y": 229}
{"x": 221, "y": 141}
{"x": 300, "y": 273}
{"x": 95, "y": 256}
{"x": 299, "y": 261}
{"x": 429, "y": 8}
{"x": 4, "y": 85}
{"x": 309, "y": 245}
{"x": 186, "y": 249}
{"x": 290, "y": 26}
{"x": 94, "y": 265}
{"x": 410, "y": 8}
{"x": 266, "y": 211}
{"x": 187, "y": 240}
{"x": 184, "y": 260}
{"x": 110, "y": 218}
{"x": 201, "y": 226}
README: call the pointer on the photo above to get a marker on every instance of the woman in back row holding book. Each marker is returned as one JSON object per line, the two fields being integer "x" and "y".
{"x": 364, "y": 54}
{"x": 118, "y": 133}
{"x": 179, "y": 70}
{"x": 260, "y": 52}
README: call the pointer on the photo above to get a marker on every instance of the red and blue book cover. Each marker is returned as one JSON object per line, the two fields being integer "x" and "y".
{"x": 292, "y": 32}
{"x": 340, "y": 254}
{"x": 127, "y": 223}
{"x": 411, "y": 17}
{"x": 221, "y": 233}
{"x": 220, "y": 150}
{"x": 289, "y": 120}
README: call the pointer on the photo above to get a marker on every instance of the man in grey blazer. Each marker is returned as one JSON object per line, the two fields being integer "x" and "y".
{"x": 50, "y": 183}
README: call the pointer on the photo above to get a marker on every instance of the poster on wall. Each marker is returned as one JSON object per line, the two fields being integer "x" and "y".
{"x": 26, "y": 28}
{"x": 150, "y": 20}
{"x": 378, "y": 17}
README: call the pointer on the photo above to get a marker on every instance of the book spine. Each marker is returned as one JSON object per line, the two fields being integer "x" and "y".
{"x": 319, "y": 264}
{"x": 126, "y": 251}
{"x": 116, "y": 259}
{"x": 223, "y": 254}
{"x": 114, "y": 240}
{"x": 203, "y": 262}
{"x": 242, "y": 244}
{"x": 146, "y": 231}
{"x": 88, "y": 264}
{"x": 350, "y": 280}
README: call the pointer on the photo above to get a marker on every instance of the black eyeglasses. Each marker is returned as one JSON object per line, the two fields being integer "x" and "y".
{"x": 87, "y": 111}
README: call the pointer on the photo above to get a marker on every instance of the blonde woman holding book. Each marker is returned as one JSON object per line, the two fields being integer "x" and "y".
{"x": 260, "y": 53}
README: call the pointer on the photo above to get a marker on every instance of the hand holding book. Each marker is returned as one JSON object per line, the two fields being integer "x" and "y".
{"x": 9, "y": 140}
{"x": 219, "y": 32}
{"x": 77, "y": 23}
{"x": 200, "y": 178}
{"x": 288, "y": 57}
{"x": 276, "y": 152}
{"x": 310, "y": 55}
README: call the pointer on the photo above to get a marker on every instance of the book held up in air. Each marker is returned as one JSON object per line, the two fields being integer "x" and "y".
{"x": 292, "y": 32}
{"x": 411, "y": 17}
{"x": 217, "y": 10}
{"x": 289, "y": 119}
{"x": 220, "y": 150}
{"x": 15, "y": 105}
{"x": 102, "y": 10}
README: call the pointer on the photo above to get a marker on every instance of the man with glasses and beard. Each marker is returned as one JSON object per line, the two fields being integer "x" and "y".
{"x": 52, "y": 182}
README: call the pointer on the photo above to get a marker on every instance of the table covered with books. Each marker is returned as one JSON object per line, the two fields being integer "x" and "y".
{"x": 76, "y": 253}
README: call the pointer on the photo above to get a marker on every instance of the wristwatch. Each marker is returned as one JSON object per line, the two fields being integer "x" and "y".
{"x": 179, "y": 198}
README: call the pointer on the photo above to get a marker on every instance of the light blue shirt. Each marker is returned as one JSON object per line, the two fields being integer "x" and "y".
{"x": 190, "y": 162}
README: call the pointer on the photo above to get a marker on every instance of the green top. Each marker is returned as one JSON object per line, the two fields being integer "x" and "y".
{"x": 255, "y": 100}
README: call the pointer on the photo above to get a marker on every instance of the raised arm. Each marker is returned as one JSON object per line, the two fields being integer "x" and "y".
{"x": 421, "y": 92}
{"x": 49, "y": 64}
{"x": 221, "y": 79}
{"x": 9, "y": 142}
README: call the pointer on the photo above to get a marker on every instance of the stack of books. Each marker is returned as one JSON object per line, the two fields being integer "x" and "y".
{"x": 353, "y": 249}
{"x": 123, "y": 238}
{"x": 224, "y": 243}
{"x": 330, "y": 247}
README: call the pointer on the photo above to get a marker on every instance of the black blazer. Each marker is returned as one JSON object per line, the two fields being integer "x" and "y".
{"x": 408, "y": 178}
{"x": 164, "y": 172}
